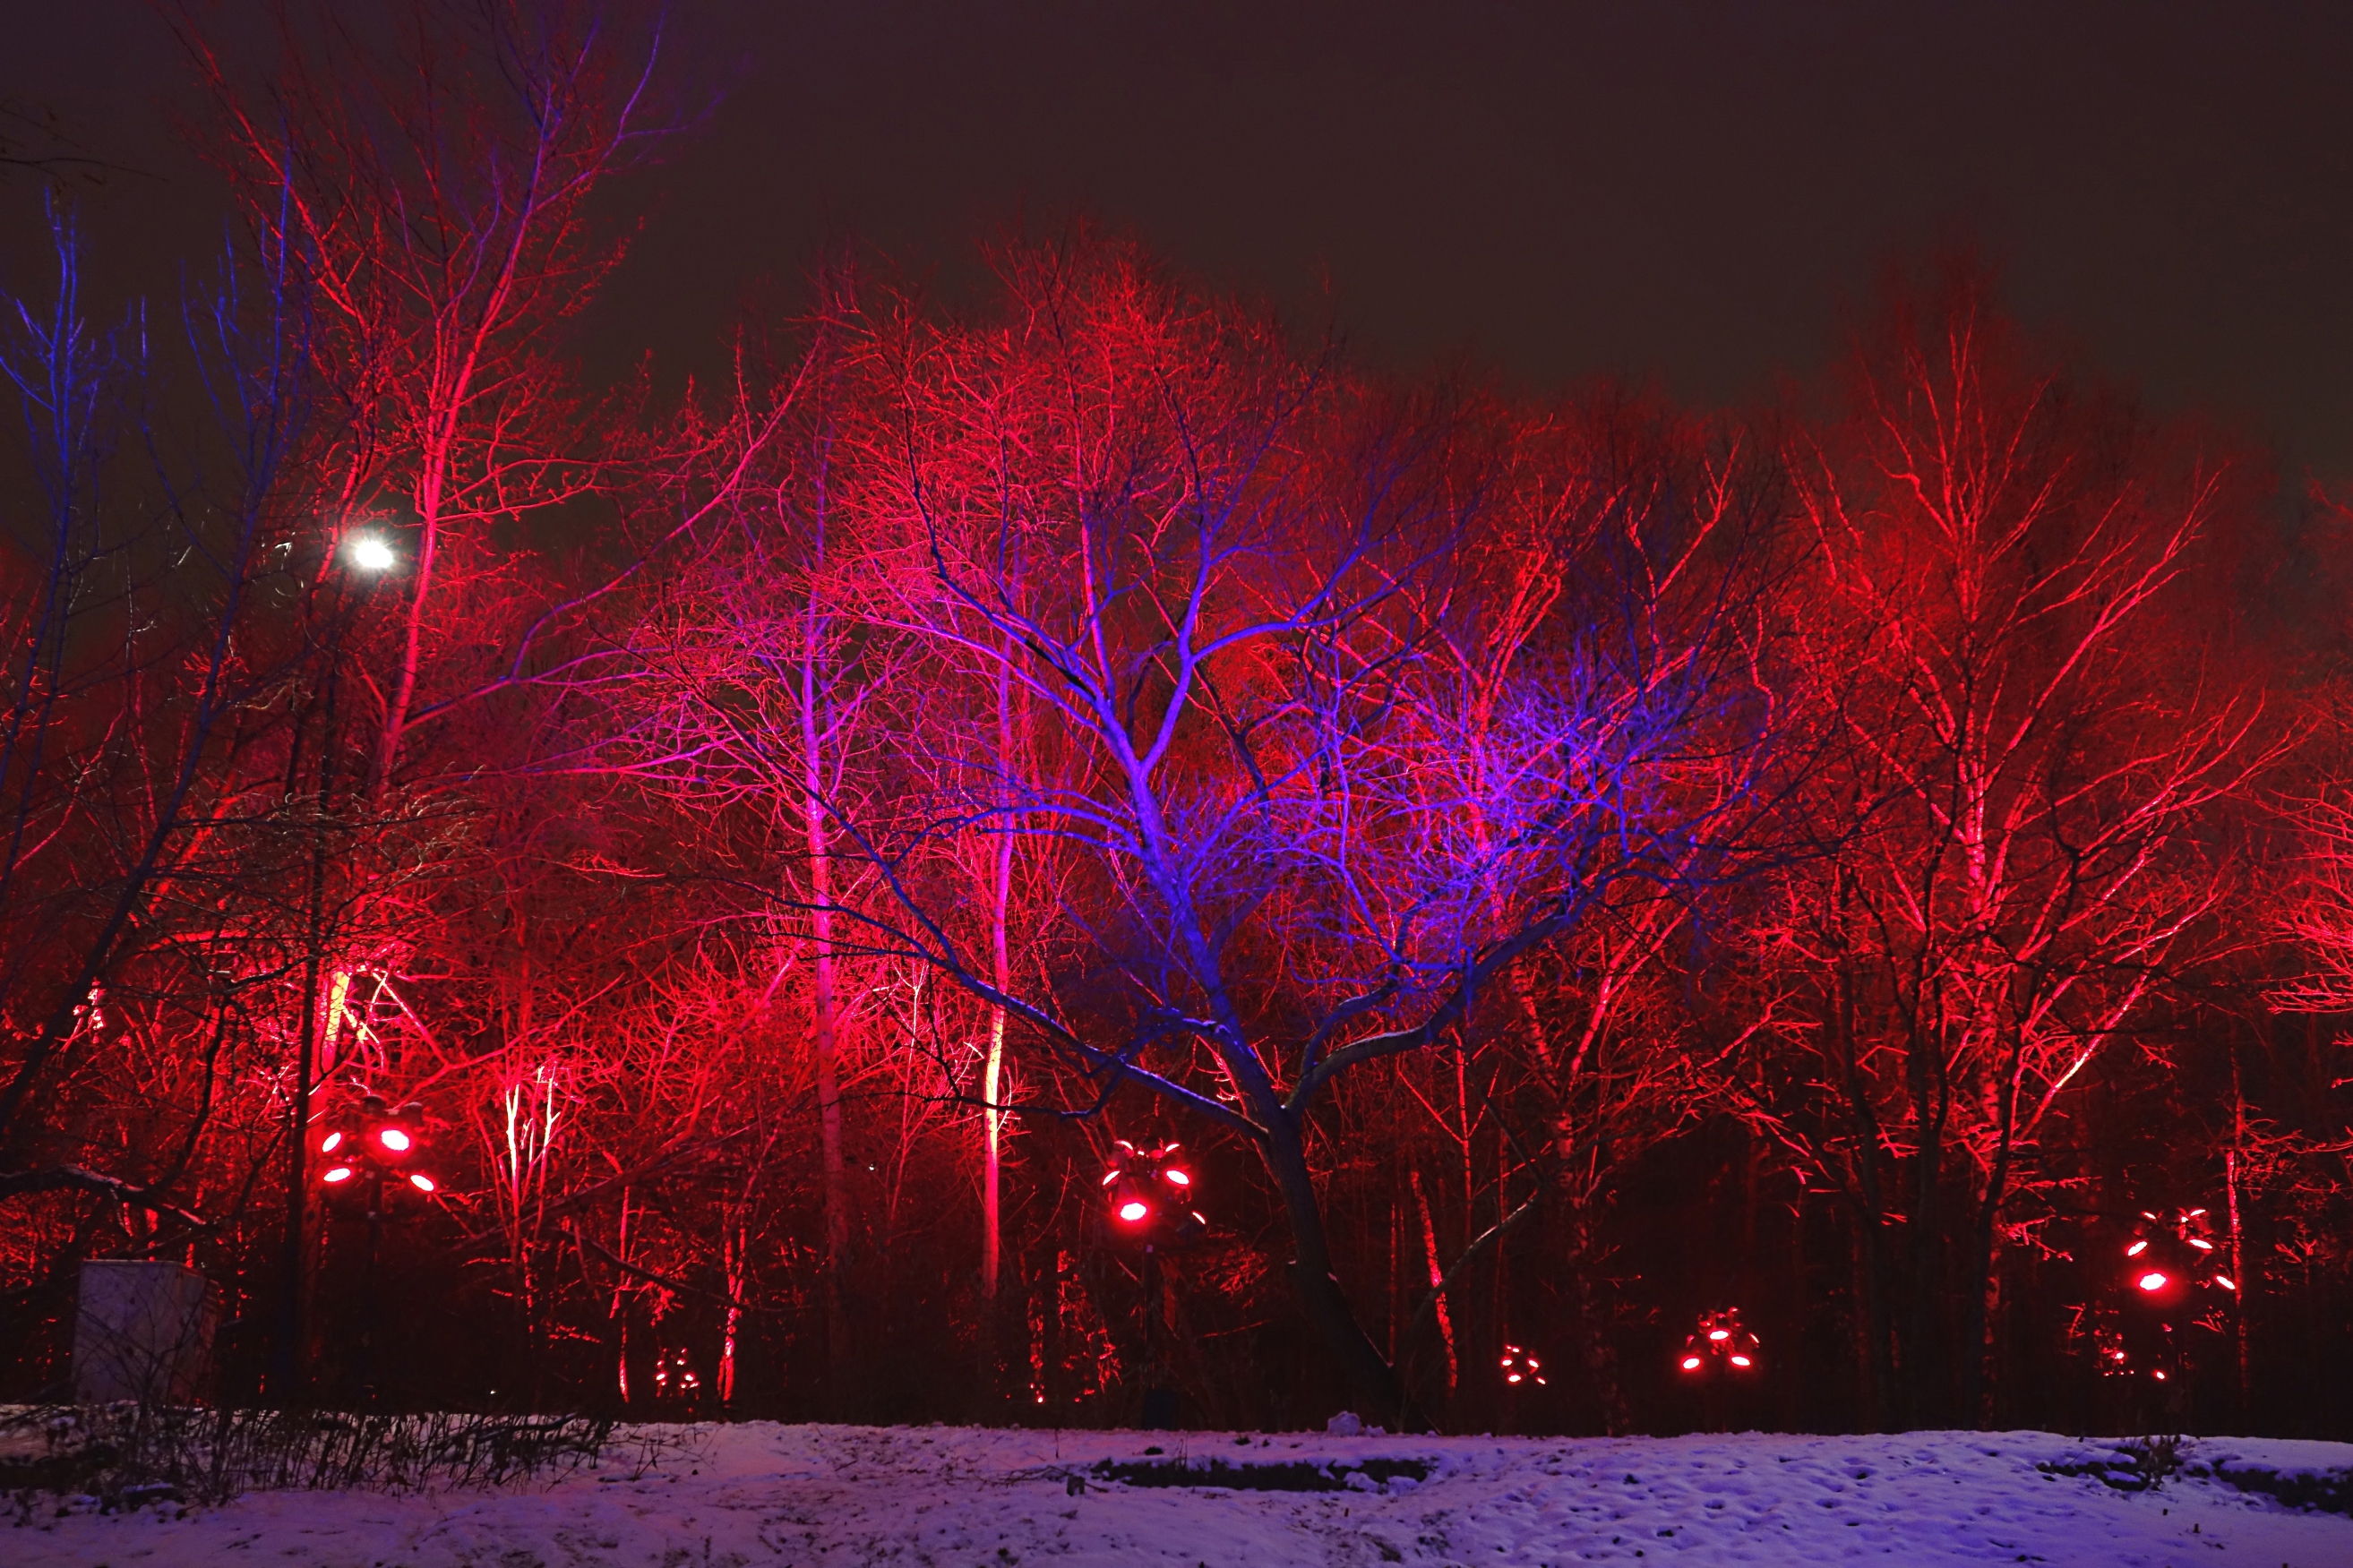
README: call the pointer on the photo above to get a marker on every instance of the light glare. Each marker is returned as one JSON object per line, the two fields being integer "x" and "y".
{"x": 370, "y": 552}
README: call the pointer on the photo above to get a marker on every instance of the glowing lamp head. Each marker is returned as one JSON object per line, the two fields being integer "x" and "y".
{"x": 393, "y": 1139}
{"x": 2227, "y": 1283}
{"x": 370, "y": 552}
{"x": 1177, "y": 1176}
{"x": 1719, "y": 1333}
{"x": 1515, "y": 1377}
{"x": 1742, "y": 1361}
{"x": 2137, "y": 1249}
{"x": 2159, "y": 1375}
{"x": 2153, "y": 1280}
{"x": 1133, "y": 1212}
{"x": 420, "y": 1180}
{"x": 1690, "y": 1363}
{"x": 336, "y": 1173}
{"x": 2201, "y": 1245}
{"x": 333, "y": 1141}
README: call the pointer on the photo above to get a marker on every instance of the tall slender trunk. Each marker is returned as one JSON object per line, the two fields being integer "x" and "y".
{"x": 1978, "y": 1304}
{"x": 404, "y": 691}
{"x": 732, "y": 1246}
{"x": 1001, "y": 976}
{"x": 826, "y": 1020}
{"x": 619, "y": 1309}
{"x": 2230, "y": 1172}
{"x": 1437, "y": 1278}
{"x": 1596, "y": 1349}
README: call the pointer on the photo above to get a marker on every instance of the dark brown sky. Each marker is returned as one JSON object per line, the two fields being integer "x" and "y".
{"x": 1679, "y": 191}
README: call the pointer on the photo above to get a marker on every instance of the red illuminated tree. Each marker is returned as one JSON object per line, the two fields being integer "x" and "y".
{"x": 1190, "y": 551}
{"x": 154, "y": 639}
{"x": 436, "y": 166}
{"x": 2036, "y": 735}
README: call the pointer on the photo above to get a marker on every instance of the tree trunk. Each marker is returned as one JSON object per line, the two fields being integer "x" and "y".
{"x": 1372, "y": 1381}
{"x": 825, "y": 1005}
{"x": 1437, "y": 1278}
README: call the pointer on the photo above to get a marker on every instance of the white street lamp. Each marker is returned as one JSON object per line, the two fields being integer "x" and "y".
{"x": 370, "y": 552}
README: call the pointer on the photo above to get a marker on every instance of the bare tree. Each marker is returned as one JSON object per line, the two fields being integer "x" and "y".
{"x": 1274, "y": 880}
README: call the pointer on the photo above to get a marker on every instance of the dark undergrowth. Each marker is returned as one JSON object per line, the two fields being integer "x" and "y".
{"x": 118, "y": 1457}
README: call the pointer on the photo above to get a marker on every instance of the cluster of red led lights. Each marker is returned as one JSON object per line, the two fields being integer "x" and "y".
{"x": 1720, "y": 1344}
{"x": 1148, "y": 1188}
{"x": 2185, "y": 1254}
{"x": 2170, "y": 1264}
{"x": 383, "y": 1143}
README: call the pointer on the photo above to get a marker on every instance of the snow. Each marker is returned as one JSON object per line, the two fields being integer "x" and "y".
{"x": 763, "y": 1493}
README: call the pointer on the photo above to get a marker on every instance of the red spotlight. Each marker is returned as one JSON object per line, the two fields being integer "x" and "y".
{"x": 1690, "y": 1363}
{"x": 2227, "y": 1283}
{"x": 2153, "y": 1280}
{"x": 393, "y": 1139}
{"x": 1719, "y": 1333}
{"x": 333, "y": 1141}
{"x": 1132, "y": 1211}
{"x": 1179, "y": 1177}
{"x": 2137, "y": 1247}
{"x": 339, "y": 1173}
{"x": 420, "y": 1180}
{"x": 1742, "y": 1361}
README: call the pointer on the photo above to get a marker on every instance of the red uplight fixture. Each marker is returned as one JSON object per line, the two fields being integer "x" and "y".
{"x": 1719, "y": 1345}
{"x": 1520, "y": 1368}
{"x": 379, "y": 1143}
{"x": 1147, "y": 1189}
{"x": 2175, "y": 1261}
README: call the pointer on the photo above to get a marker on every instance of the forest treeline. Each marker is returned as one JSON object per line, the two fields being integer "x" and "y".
{"x": 1554, "y": 864}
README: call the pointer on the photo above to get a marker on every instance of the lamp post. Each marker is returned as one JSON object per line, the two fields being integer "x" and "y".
{"x": 1149, "y": 1192}
{"x": 368, "y": 554}
{"x": 385, "y": 1147}
{"x": 2174, "y": 1279}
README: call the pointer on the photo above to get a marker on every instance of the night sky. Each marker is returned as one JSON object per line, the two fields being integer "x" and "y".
{"x": 1689, "y": 193}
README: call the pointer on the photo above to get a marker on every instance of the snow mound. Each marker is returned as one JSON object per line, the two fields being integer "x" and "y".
{"x": 763, "y": 1493}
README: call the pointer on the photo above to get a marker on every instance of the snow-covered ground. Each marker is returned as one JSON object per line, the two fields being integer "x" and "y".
{"x": 829, "y": 1495}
